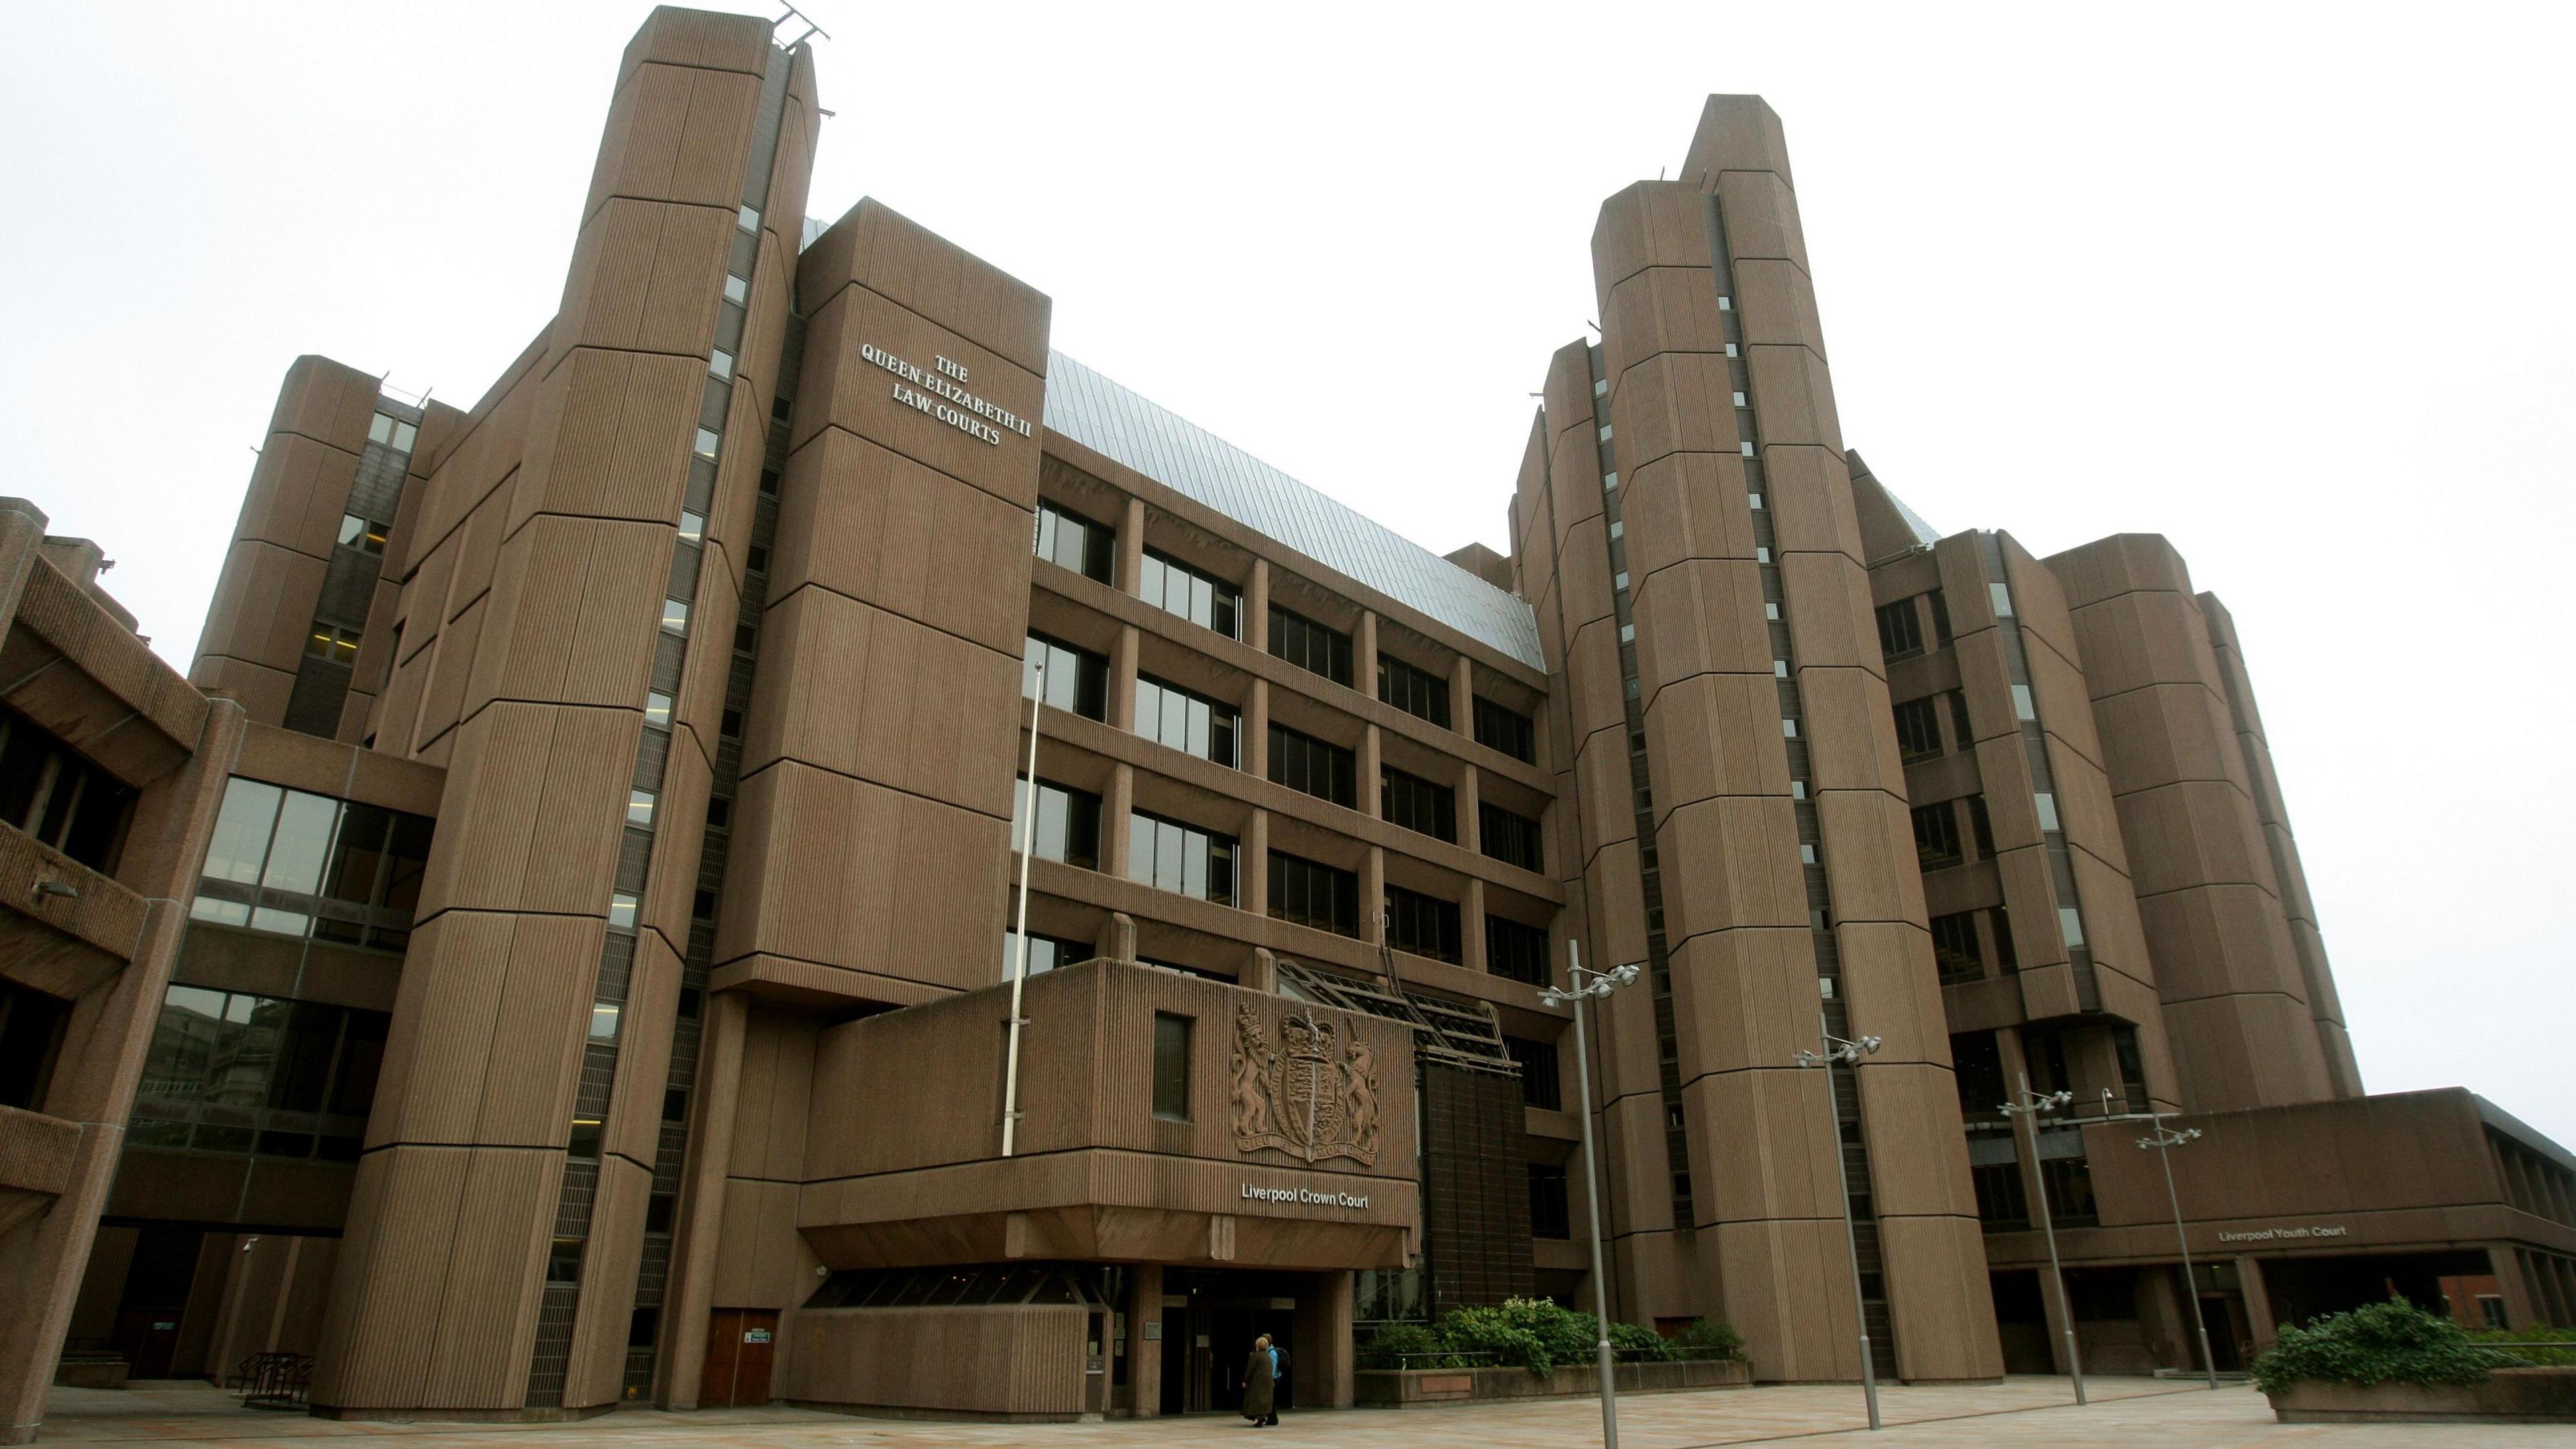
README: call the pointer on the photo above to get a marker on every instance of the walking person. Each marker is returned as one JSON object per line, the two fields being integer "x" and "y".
{"x": 1261, "y": 1384}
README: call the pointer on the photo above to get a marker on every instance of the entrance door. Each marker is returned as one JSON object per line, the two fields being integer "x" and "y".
{"x": 2218, "y": 1316}
{"x": 739, "y": 1349}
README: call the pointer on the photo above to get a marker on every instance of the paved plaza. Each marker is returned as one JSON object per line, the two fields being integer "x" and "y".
{"x": 2030, "y": 1412}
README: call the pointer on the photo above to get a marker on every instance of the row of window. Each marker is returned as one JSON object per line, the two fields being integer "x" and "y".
{"x": 298, "y": 863}
{"x": 1076, "y": 680}
{"x": 1936, "y": 832}
{"x": 1086, "y": 547}
{"x": 1957, "y": 951}
{"x": 232, "y": 1072}
{"x": 1900, "y": 625}
{"x": 55, "y": 794}
{"x": 1918, "y": 725}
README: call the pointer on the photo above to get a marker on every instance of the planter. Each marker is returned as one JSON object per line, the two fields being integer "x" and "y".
{"x": 2509, "y": 1396}
{"x": 1410, "y": 1388}
{"x": 90, "y": 1371}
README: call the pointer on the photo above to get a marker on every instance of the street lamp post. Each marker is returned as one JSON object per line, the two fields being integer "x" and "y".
{"x": 2027, "y": 1106}
{"x": 1575, "y": 990}
{"x": 2163, "y": 1140}
{"x": 1848, "y": 1052}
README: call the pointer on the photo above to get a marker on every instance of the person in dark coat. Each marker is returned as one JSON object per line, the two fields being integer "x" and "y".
{"x": 1260, "y": 1385}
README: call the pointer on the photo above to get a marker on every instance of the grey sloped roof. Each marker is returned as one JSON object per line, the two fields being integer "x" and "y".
{"x": 1924, "y": 533}
{"x": 1188, "y": 459}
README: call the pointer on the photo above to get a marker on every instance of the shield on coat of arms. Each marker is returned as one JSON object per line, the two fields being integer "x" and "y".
{"x": 1315, "y": 1095}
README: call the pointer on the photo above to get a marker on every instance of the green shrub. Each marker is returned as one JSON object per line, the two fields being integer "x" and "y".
{"x": 2537, "y": 1333}
{"x": 1386, "y": 1348}
{"x": 1712, "y": 1337}
{"x": 2391, "y": 1342}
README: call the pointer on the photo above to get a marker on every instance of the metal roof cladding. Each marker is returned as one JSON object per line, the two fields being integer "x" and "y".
{"x": 1188, "y": 459}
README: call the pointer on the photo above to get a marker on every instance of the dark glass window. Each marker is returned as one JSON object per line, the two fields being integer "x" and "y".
{"x": 2002, "y": 1205}
{"x": 2070, "y": 1193}
{"x": 1314, "y": 767}
{"x": 1940, "y": 619}
{"x": 55, "y": 794}
{"x": 1186, "y": 721}
{"x": 1075, "y": 541}
{"x": 1171, "y": 856}
{"x": 1171, "y": 1067}
{"x": 1918, "y": 730}
{"x": 1309, "y": 645}
{"x": 1045, "y": 952}
{"x": 1077, "y": 680}
{"x": 1982, "y": 826}
{"x": 1068, "y": 822}
{"x": 1961, "y": 735}
{"x": 1417, "y": 692}
{"x": 1548, "y": 1215}
{"x": 231, "y": 1072}
{"x": 297, "y": 863}
{"x": 1506, "y": 730}
{"x": 1311, "y": 893}
{"x": 1977, "y": 1063}
{"x": 1900, "y": 630}
{"x": 1936, "y": 836}
{"x": 1540, "y": 1082}
{"x": 2000, "y": 920}
{"x": 1516, "y": 951}
{"x": 31, "y": 1038}
{"x": 1417, "y": 804}
{"x": 1954, "y": 947}
{"x": 1423, "y": 925}
{"x": 1509, "y": 838}
{"x": 1204, "y": 600}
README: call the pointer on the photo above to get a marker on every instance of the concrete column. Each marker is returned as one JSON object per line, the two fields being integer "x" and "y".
{"x": 1256, "y": 731}
{"x": 1144, "y": 1356}
{"x": 1256, "y": 606}
{"x": 1368, "y": 773}
{"x": 1462, "y": 697}
{"x": 701, "y": 1227}
{"x": 1114, "y": 810}
{"x": 2506, "y": 1265}
{"x": 1471, "y": 926}
{"x": 1373, "y": 896}
{"x": 1122, "y": 678}
{"x": 1117, "y": 939}
{"x": 1263, "y": 974}
{"x": 2258, "y": 1303}
{"x": 1131, "y": 547}
{"x": 1334, "y": 1357}
{"x": 1471, "y": 829}
{"x": 1252, "y": 865}
{"x": 1364, "y": 655}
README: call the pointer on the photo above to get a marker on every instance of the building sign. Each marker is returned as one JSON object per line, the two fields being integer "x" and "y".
{"x": 2286, "y": 1234}
{"x": 1316, "y": 1095}
{"x": 1306, "y": 1196}
{"x": 941, "y": 394}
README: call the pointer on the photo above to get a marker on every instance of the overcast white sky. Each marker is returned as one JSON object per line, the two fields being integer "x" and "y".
{"x": 2292, "y": 288}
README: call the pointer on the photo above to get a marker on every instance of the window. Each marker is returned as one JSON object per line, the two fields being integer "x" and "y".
{"x": 1541, "y": 1084}
{"x": 1210, "y": 603}
{"x": 622, "y": 907}
{"x": 693, "y": 526}
{"x": 1900, "y": 632}
{"x": 1045, "y": 952}
{"x": 2024, "y": 709}
{"x": 1509, "y": 838}
{"x": 1423, "y": 925}
{"x": 364, "y": 535}
{"x": 1186, "y": 721}
{"x": 1075, "y": 542}
{"x": 297, "y": 863}
{"x": 2047, "y": 806}
{"x": 737, "y": 290}
{"x": 1515, "y": 951}
{"x": 1505, "y": 730}
{"x": 1936, "y": 836}
{"x": 332, "y": 642}
{"x": 55, "y": 794}
{"x": 1918, "y": 730}
{"x": 657, "y": 709}
{"x": 1954, "y": 947}
{"x": 232, "y": 1072}
{"x": 1309, "y": 645}
{"x": 1417, "y": 804}
{"x": 1077, "y": 680}
{"x": 563, "y": 1261}
{"x": 1548, "y": 1216}
{"x": 675, "y": 617}
{"x": 31, "y": 1038}
{"x": 1310, "y": 893}
{"x": 720, "y": 364}
{"x": 1068, "y": 822}
{"x": 2002, "y": 1205}
{"x": 393, "y": 432}
{"x": 1981, "y": 827}
{"x": 1171, "y": 1067}
{"x": 2001, "y": 597}
{"x": 708, "y": 441}
{"x": 639, "y": 808}
{"x": 2070, "y": 1190}
{"x": 1314, "y": 767}
{"x": 1417, "y": 692}
{"x": 1171, "y": 856}
{"x": 1961, "y": 735}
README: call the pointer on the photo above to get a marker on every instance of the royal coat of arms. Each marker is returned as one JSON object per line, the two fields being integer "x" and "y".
{"x": 1315, "y": 1094}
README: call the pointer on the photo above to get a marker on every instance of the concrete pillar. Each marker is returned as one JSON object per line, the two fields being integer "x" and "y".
{"x": 1364, "y": 655}
{"x": 1471, "y": 926}
{"x": 1117, "y": 939}
{"x": 701, "y": 1227}
{"x": 1334, "y": 1357}
{"x": 2506, "y": 1265}
{"x": 1263, "y": 974}
{"x": 1373, "y": 896}
{"x": 1131, "y": 547}
{"x": 1252, "y": 865}
{"x": 1114, "y": 810}
{"x": 1368, "y": 772}
{"x": 2258, "y": 1303}
{"x": 1122, "y": 678}
{"x": 1462, "y": 697}
{"x": 1144, "y": 1355}
{"x": 1256, "y": 606}
{"x": 1471, "y": 826}
{"x": 1256, "y": 731}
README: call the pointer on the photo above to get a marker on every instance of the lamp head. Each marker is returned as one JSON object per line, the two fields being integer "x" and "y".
{"x": 1553, "y": 997}
{"x": 1869, "y": 1044}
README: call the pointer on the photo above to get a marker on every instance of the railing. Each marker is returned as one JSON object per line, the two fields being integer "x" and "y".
{"x": 1486, "y": 1358}
{"x": 272, "y": 1380}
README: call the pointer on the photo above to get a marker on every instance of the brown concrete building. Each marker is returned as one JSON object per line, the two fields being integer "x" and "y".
{"x": 567, "y": 934}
